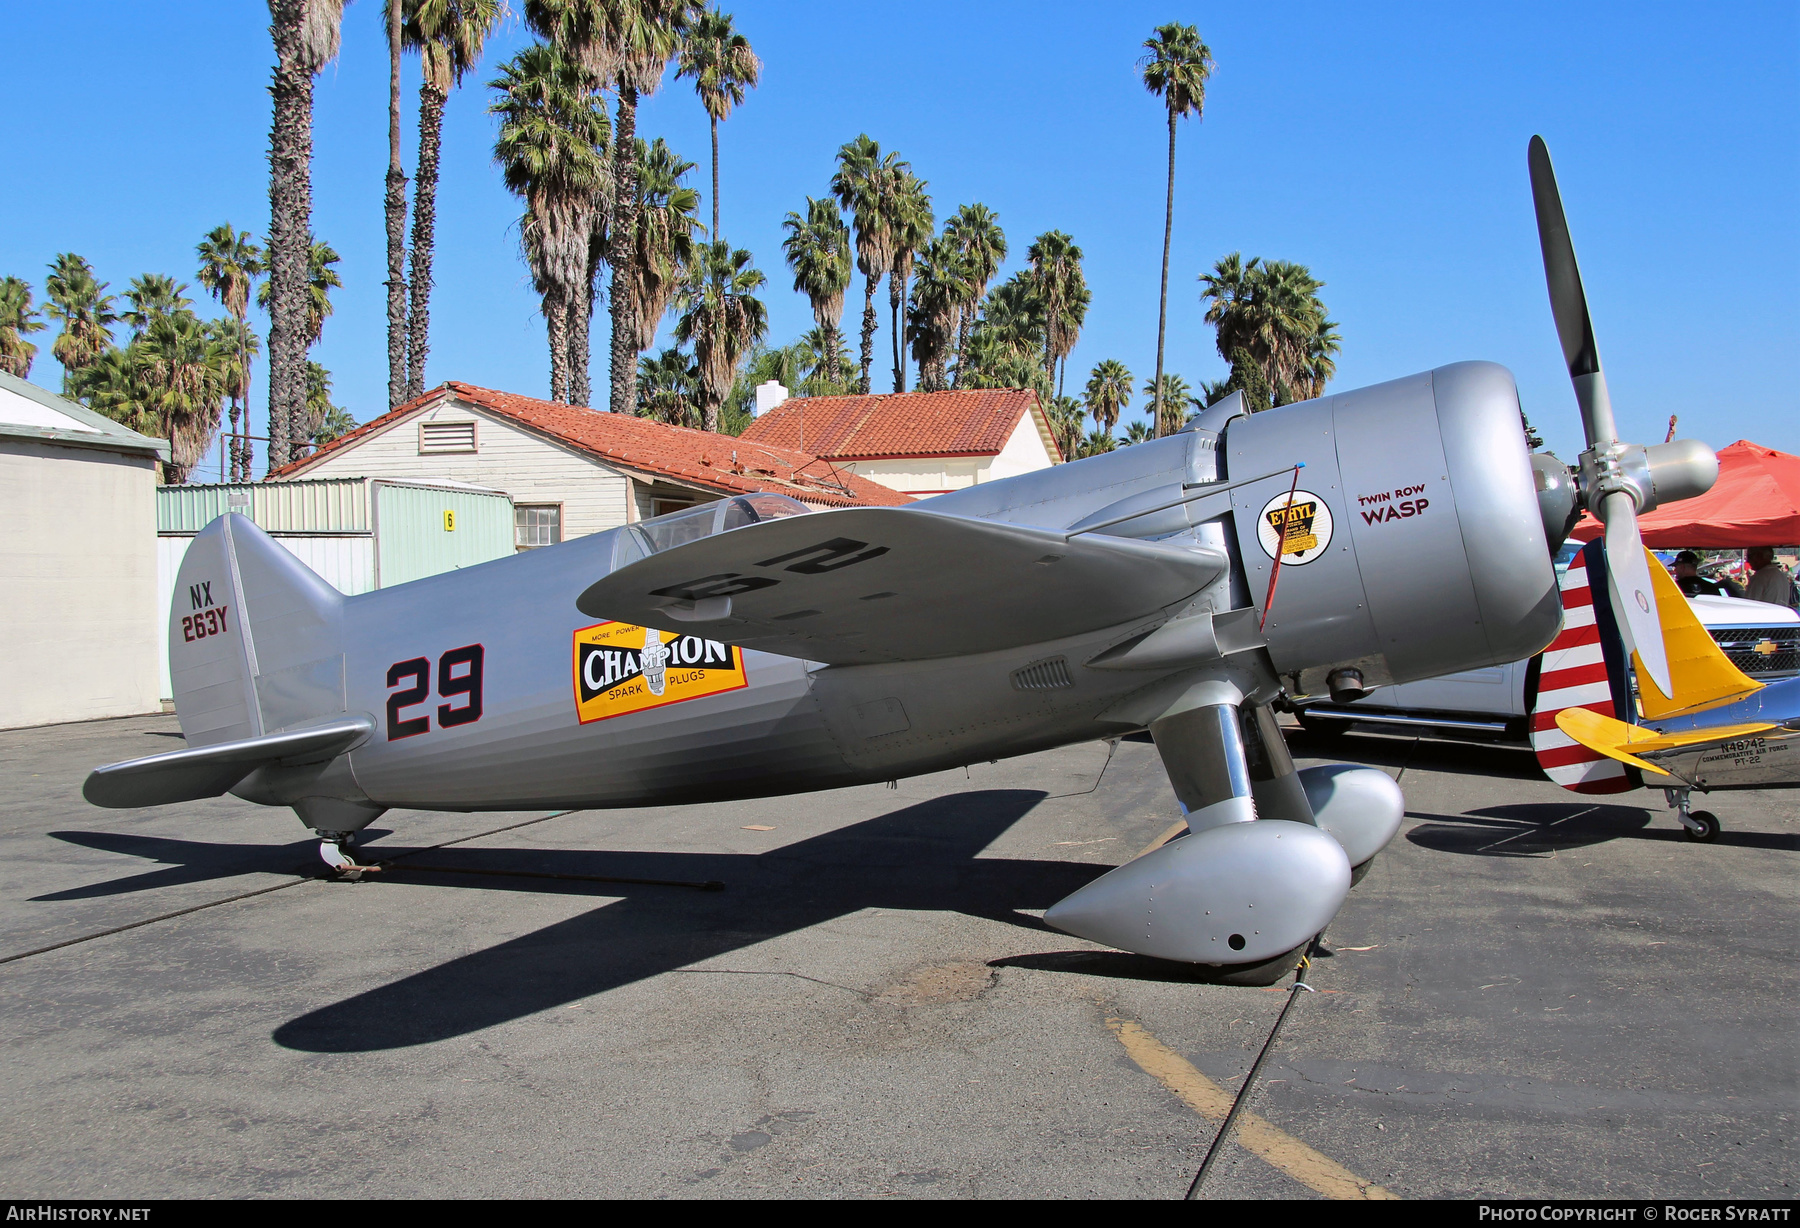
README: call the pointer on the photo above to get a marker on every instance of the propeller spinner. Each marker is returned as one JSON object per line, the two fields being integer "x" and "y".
{"x": 1617, "y": 481}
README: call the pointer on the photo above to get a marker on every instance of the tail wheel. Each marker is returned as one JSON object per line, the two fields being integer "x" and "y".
{"x": 1709, "y": 824}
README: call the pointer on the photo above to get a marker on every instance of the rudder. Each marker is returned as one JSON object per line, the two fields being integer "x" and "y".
{"x": 255, "y": 638}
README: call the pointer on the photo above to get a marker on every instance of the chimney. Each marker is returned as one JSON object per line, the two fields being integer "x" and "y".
{"x": 768, "y": 396}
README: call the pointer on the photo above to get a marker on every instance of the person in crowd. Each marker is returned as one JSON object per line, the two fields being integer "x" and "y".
{"x": 1686, "y": 571}
{"x": 1770, "y": 582}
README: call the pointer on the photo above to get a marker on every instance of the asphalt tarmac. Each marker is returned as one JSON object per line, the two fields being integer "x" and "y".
{"x": 1529, "y": 996}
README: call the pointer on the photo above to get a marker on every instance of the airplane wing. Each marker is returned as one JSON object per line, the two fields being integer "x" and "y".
{"x": 869, "y": 584}
{"x": 1617, "y": 740}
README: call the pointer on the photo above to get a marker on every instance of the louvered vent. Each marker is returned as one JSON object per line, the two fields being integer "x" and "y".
{"x": 447, "y": 436}
{"x": 1051, "y": 675}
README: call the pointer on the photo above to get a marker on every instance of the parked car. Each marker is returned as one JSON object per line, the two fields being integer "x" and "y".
{"x": 1495, "y": 703}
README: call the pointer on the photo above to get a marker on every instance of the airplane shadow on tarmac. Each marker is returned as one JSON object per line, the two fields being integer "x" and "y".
{"x": 188, "y": 861}
{"x": 923, "y": 857}
{"x": 1540, "y": 829}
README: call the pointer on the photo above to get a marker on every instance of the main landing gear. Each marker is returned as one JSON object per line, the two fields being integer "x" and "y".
{"x": 1700, "y": 826}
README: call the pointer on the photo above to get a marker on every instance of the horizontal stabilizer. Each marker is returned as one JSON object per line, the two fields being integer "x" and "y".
{"x": 1617, "y": 740}
{"x": 870, "y": 584}
{"x": 208, "y": 771}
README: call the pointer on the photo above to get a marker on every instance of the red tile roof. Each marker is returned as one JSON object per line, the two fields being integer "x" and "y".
{"x": 972, "y": 423}
{"x": 699, "y": 459}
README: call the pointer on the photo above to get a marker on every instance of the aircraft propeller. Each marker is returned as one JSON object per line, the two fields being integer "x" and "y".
{"x": 1617, "y": 480}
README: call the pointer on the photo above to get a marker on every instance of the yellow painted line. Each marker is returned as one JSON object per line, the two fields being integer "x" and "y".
{"x": 1279, "y": 1148}
{"x": 1174, "y": 830}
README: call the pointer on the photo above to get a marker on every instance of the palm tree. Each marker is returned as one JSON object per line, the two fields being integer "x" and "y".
{"x": 818, "y": 250}
{"x": 150, "y": 296}
{"x": 1108, "y": 393}
{"x": 306, "y": 39}
{"x": 1006, "y": 347}
{"x": 85, "y": 311}
{"x": 720, "y": 318}
{"x": 668, "y": 388}
{"x": 1137, "y": 432}
{"x": 1056, "y": 269}
{"x": 334, "y": 423}
{"x": 243, "y": 345}
{"x": 975, "y": 229}
{"x": 552, "y": 150}
{"x": 1065, "y": 414}
{"x": 448, "y": 35}
{"x": 625, "y": 44}
{"x": 934, "y": 315}
{"x": 864, "y": 183}
{"x": 112, "y": 386}
{"x": 1169, "y": 399}
{"x": 18, "y": 319}
{"x": 1098, "y": 441}
{"x": 1175, "y": 70}
{"x": 723, "y": 66}
{"x": 168, "y": 382}
{"x": 230, "y": 263}
{"x": 825, "y": 377}
{"x": 1268, "y": 316}
{"x": 665, "y": 236}
{"x": 394, "y": 207}
{"x": 321, "y": 280}
{"x": 910, "y": 223}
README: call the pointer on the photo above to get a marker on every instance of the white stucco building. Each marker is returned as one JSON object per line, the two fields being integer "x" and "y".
{"x": 78, "y": 561}
{"x": 919, "y": 443}
{"x": 572, "y": 471}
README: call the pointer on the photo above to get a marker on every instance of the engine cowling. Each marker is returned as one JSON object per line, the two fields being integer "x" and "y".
{"x": 1413, "y": 544}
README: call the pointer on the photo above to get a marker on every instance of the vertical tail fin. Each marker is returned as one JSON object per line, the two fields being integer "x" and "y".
{"x": 1584, "y": 667}
{"x": 255, "y": 638}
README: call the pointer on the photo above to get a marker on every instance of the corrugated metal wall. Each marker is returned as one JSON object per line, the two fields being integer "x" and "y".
{"x": 332, "y": 505}
{"x": 328, "y": 525}
{"x": 347, "y": 564}
{"x": 423, "y": 531}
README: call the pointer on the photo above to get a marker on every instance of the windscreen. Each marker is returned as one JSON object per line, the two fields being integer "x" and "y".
{"x": 661, "y": 533}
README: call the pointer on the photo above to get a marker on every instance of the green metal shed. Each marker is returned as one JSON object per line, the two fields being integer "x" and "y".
{"x": 358, "y": 533}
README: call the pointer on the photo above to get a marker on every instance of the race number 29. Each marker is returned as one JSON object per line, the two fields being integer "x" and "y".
{"x": 459, "y": 678}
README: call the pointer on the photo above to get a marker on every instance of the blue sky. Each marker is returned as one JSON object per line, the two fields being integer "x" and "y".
{"x": 1383, "y": 145}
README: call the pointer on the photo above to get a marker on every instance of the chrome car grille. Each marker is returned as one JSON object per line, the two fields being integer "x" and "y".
{"x": 1761, "y": 652}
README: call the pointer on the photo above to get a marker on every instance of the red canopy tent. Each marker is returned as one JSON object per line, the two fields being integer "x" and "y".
{"x": 1755, "y": 502}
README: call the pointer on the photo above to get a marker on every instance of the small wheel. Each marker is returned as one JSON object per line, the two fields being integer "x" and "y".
{"x": 1709, "y": 823}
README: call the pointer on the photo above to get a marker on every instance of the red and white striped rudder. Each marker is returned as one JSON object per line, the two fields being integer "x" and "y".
{"x": 1573, "y": 675}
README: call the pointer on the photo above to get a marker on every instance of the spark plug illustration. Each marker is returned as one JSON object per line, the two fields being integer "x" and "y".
{"x": 655, "y": 659}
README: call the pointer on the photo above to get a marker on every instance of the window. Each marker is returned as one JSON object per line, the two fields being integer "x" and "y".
{"x": 662, "y": 507}
{"x": 447, "y": 436}
{"x": 536, "y": 524}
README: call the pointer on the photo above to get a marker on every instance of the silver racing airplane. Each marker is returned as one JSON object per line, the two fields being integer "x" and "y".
{"x": 753, "y": 647}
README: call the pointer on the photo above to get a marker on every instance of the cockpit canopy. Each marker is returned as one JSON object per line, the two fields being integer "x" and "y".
{"x": 647, "y": 537}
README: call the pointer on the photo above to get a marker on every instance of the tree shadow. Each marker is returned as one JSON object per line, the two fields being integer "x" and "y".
{"x": 924, "y": 858}
{"x": 188, "y": 861}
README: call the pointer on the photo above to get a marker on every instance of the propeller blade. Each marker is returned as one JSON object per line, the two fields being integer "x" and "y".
{"x": 1568, "y": 302}
{"x": 1633, "y": 597}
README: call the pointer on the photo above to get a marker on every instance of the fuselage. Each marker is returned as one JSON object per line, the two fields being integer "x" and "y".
{"x": 773, "y": 725}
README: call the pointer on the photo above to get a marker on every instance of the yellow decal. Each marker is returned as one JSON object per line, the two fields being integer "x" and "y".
{"x": 449, "y": 520}
{"x": 620, "y": 668}
{"x": 1297, "y": 525}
